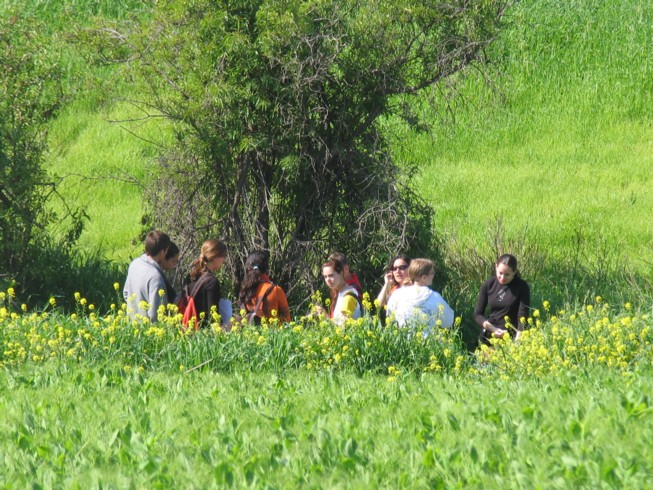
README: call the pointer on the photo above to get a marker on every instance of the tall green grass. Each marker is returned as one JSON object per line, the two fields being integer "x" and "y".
{"x": 560, "y": 145}
{"x": 95, "y": 159}
{"x": 81, "y": 427}
{"x": 550, "y": 160}
{"x": 103, "y": 158}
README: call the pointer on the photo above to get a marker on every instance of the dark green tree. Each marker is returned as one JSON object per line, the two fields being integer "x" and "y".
{"x": 277, "y": 105}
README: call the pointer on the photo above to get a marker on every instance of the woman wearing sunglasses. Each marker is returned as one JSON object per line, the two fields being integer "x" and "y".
{"x": 395, "y": 277}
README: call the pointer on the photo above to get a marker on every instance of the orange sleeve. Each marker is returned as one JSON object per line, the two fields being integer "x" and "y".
{"x": 277, "y": 301}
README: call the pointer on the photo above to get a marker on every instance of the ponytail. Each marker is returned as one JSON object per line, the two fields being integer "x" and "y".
{"x": 255, "y": 265}
{"x": 211, "y": 249}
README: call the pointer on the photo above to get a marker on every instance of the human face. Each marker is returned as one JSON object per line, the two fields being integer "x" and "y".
{"x": 427, "y": 279}
{"x": 215, "y": 263}
{"x": 504, "y": 273}
{"x": 400, "y": 271}
{"x": 169, "y": 264}
{"x": 332, "y": 278}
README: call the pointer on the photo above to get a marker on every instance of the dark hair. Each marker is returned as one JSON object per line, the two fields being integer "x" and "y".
{"x": 173, "y": 251}
{"x": 255, "y": 265}
{"x": 391, "y": 263}
{"x": 210, "y": 250}
{"x": 155, "y": 242}
{"x": 510, "y": 261}
{"x": 340, "y": 257}
{"x": 337, "y": 266}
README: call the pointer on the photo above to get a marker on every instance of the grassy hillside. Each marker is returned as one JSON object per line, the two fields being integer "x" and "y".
{"x": 562, "y": 147}
{"x": 551, "y": 160}
{"x": 99, "y": 165}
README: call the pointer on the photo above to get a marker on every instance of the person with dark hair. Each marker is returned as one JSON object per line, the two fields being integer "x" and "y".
{"x": 204, "y": 287}
{"x": 145, "y": 279}
{"x": 394, "y": 277}
{"x": 345, "y": 302}
{"x": 258, "y": 295}
{"x": 508, "y": 296}
{"x": 350, "y": 277}
{"x": 417, "y": 305}
{"x": 167, "y": 264}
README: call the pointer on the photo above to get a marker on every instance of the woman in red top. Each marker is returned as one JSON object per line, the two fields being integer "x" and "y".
{"x": 258, "y": 293}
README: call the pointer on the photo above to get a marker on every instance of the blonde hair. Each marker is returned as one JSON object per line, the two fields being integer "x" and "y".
{"x": 419, "y": 268}
{"x": 211, "y": 249}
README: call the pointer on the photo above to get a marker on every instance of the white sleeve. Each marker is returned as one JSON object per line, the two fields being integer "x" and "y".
{"x": 444, "y": 313}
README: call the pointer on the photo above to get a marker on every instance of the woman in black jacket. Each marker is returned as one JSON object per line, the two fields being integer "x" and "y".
{"x": 205, "y": 287}
{"x": 509, "y": 299}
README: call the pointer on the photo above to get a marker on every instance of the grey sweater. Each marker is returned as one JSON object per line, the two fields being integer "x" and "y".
{"x": 144, "y": 281}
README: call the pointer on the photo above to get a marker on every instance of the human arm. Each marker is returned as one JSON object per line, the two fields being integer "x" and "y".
{"x": 154, "y": 287}
{"x": 212, "y": 296}
{"x": 479, "y": 312}
{"x": 384, "y": 294}
{"x": 346, "y": 307}
{"x": 443, "y": 313}
{"x": 226, "y": 311}
{"x": 279, "y": 302}
{"x": 524, "y": 307}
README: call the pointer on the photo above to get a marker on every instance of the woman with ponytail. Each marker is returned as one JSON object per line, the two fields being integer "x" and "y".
{"x": 205, "y": 287}
{"x": 258, "y": 295}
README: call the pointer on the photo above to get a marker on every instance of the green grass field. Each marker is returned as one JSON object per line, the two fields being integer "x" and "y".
{"x": 562, "y": 147}
{"x": 83, "y": 427}
{"x": 104, "y": 168}
{"x": 98, "y": 401}
{"x": 555, "y": 163}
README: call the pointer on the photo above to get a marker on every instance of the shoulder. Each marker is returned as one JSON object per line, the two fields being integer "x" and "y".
{"x": 435, "y": 296}
{"x": 267, "y": 287}
{"x": 521, "y": 284}
{"x": 490, "y": 281}
{"x": 209, "y": 279}
{"x": 349, "y": 301}
{"x": 277, "y": 290}
{"x": 488, "y": 285}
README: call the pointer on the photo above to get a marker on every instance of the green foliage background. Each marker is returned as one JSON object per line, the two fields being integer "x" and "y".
{"x": 551, "y": 160}
{"x": 557, "y": 165}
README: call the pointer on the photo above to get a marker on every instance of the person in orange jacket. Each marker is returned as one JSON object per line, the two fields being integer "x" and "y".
{"x": 259, "y": 297}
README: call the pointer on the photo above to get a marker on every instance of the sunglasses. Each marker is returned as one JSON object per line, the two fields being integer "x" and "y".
{"x": 399, "y": 268}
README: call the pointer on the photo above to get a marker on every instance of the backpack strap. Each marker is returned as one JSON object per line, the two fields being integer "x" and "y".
{"x": 358, "y": 300}
{"x": 204, "y": 278}
{"x": 263, "y": 298}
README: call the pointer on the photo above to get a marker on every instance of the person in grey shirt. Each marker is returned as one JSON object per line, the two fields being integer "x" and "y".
{"x": 145, "y": 278}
